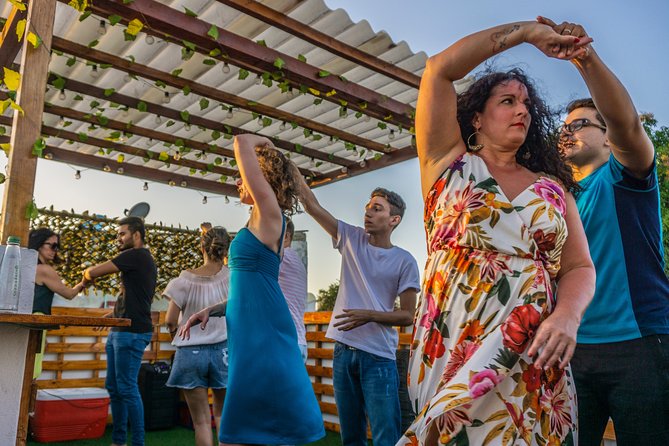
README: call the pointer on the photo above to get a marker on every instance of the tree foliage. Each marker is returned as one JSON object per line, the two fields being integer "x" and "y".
{"x": 327, "y": 297}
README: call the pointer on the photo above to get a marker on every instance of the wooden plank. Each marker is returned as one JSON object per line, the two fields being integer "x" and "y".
{"x": 321, "y": 353}
{"x": 317, "y": 336}
{"x": 152, "y": 74}
{"x": 78, "y": 347}
{"x": 9, "y": 42}
{"x": 64, "y": 365}
{"x": 70, "y": 383}
{"x": 315, "y": 370}
{"x": 328, "y": 43}
{"x": 329, "y": 408}
{"x": 317, "y": 317}
{"x": 43, "y": 320}
{"x": 34, "y": 344}
{"x": 22, "y": 164}
{"x": 323, "y": 389}
{"x": 168, "y": 24}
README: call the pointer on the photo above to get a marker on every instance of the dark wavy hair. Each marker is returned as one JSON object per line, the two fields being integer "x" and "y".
{"x": 541, "y": 140}
{"x": 276, "y": 169}
{"x": 38, "y": 237}
{"x": 216, "y": 242}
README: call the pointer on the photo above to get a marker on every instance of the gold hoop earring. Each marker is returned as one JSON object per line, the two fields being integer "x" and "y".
{"x": 473, "y": 147}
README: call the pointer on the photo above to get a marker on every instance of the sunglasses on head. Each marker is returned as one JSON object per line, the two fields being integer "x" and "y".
{"x": 54, "y": 246}
{"x": 578, "y": 124}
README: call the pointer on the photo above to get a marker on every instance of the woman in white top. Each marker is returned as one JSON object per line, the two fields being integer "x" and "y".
{"x": 201, "y": 362}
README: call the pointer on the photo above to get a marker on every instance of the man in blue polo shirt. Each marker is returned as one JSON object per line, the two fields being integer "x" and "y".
{"x": 621, "y": 363}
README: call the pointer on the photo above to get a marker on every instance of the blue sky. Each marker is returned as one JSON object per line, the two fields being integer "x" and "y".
{"x": 631, "y": 37}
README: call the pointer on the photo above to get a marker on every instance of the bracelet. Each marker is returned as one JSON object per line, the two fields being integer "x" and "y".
{"x": 87, "y": 275}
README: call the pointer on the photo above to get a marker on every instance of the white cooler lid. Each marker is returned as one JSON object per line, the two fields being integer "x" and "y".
{"x": 81, "y": 393}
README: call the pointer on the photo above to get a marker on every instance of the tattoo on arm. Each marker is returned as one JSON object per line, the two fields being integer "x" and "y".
{"x": 499, "y": 38}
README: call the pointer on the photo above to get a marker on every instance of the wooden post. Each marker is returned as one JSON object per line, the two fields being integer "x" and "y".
{"x": 22, "y": 163}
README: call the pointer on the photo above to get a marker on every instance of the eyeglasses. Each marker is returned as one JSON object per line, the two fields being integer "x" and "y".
{"x": 54, "y": 246}
{"x": 578, "y": 124}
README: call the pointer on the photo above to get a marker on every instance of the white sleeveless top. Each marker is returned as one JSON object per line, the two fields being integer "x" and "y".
{"x": 191, "y": 293}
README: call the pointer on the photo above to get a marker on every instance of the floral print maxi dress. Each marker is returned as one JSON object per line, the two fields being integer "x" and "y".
{"x": 487, "y": 287}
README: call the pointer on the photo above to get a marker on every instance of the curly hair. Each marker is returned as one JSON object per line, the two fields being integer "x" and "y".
{"x": 541, "y": 140}
{"x": 215, "y": 243}
{"x": 277, "y": 171}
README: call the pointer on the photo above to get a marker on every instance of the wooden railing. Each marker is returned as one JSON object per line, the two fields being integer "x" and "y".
{"x": 74, "y": 357}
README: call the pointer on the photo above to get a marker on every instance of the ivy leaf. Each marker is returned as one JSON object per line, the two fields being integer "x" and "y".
{"x": 12, "y": 79}
{"x": 94, "y": 104}
{"x": 261, "y": 43}
{"x": 93, "y": 43}
{"x": 213, "y": 32}
{"x": 279, "y": 63}
{"x": 186, "y": 90}
{"x": 3, "y": 178}
{"x": 38, "y": 147}
{"x": 31, "y": 211}
{"x": 34, "y": 39}
{"x": 215, "y": 52}
{"x": 120, "y": 158}
{"x": 163, "y": 156}
{"x": 71, "y": 61}
{"x": 189, "y": 13}
{"x": 204, "y": 103}
{"x": 243, "y": 74}
{"x": 103, "y": 120}
{"x": 177, "y": 72}
{"x": 82, "y": 137}
{"x": 209, "y": 62}
{"x": 218, "y": 161}
{"x": 85, "y": 14}
{"x": 378, "y": 156}
{"x": 78, "y": 98}
{"x": 186, "y": 54}
{"x": 127, "y": 2}
{"x": 160, "y": 84}
{"x": 131, "y": 58}
{"x": 134, "y": 27}
{"x": 169, "y": 123}
{"x": 141, "y": 106}
{"x": 184, "y": 115}
{"x": 189, "y": 45}
{"x": 323, "y": 73}
{"x": 6, "y": 147}
{"x": 108, "y": 92}
{"x": 382, "y": 125}
{"x": 114, "y": 19}
{"x": 3, "y": 130}
{"x": 301, "y": 58}
{"x": 20, "y": 29}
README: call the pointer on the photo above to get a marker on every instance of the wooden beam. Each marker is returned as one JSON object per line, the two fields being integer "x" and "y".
{"x": 22, "y": 164}
{"x": 137, "y": 69}
{"x": 9, "y": 41}
{"x": 298, "y": 29}
{"x": 157, "y": 109}
{"x": 130, "y": 150}
{"x": 175, "y": 26}
{"x": 143, "y": 173}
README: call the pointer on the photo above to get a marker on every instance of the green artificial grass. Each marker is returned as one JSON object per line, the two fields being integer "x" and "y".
{"x": 178, "y": 436}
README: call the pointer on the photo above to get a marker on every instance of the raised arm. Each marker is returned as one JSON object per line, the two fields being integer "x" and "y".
{"x": 438, "y": 136}
{"x": 629, "y": 142}
{"x": 49, "y": 277}
{"x": 267, "y": 228}
{"x": 314, "y": 208}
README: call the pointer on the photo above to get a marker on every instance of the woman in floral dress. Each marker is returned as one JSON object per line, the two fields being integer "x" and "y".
{"x": 492, "y": 340}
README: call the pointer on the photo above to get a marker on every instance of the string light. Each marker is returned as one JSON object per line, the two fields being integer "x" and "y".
{"x": 177, "y": 156}
{"x": 106, "y": 168}
{"x": 48, "y": 156}
{"x": 229, "y": 114}
{"x": 61, "y": 122}
{"x": 258, "y": 80}
{"x": 157, "y": 120}
{"x": 120, "y": 170}
{"x": 94, "y": 72}
{"x": 146, "y": 186}
{"x": 226, "y": 68}
{"x": 148, "y": 142}
{"x": 344, "y": 169}
{"x": 283, "y": 126}
{"x": 187, "y": 127}
{"x": 367, "y": 118}
{"x": 102, "y": 29}
{"x": 62, "y": 96}
{"x": 392, "y": 135}
{"x": 184, "y": 183}
{"x": 260, "y": 123}
{"x": 127, "y": 78}
{"x": 166, "y": 98}
{"x": 204, "y": 200}
{"x": 149, "y": 39}
{"x": 362, "y": 163}
{"x": 227, "y": 200}
{"x": 77, "y": 175}
{"x": 291, "y": 93}
{"x": 172, "y": 183}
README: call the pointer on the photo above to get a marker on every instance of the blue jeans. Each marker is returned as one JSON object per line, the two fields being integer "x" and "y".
{"x": 627, "y": 381}
{"x": 124, "y": 357}
{"x": 366, "y": 386}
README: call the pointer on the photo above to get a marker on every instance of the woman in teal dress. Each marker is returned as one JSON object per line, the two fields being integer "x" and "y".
{"x": 270, "y": 399}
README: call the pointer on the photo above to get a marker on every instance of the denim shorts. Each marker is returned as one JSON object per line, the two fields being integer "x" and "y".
{"x": 200, "y": 366}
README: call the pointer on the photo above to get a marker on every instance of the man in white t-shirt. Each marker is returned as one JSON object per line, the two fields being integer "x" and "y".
{"x": 293, "y": 283}
{"x": 373, "y": 274}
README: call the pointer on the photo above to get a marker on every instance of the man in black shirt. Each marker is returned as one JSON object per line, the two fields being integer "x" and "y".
{"x": 126, "y": 345}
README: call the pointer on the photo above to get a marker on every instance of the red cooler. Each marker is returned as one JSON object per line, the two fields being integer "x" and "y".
{"x": 69, "y": 414}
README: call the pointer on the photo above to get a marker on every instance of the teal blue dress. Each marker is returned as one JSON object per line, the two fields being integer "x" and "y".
{"x": 270, "y": 398}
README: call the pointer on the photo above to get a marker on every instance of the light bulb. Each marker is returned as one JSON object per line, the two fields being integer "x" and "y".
{"x": 187, "y": 127}
{"x": 392, "y": 135}
{"x": 283, "y": 126}
{"x": 260, "y": 121}
{"x": 120, "y": 170}
{"x": 77, "y": 175}
{"x": 226, "y": 68}
{"x": 177, "y": 156}
{"x": 344, "y": 169}
{"x": 229, "y": 114}
{"x": 126, "y": 113}
{"x": 204, "y": 200}
{"x": 258, "y": 80}
{"x": 367, "y": 118}
{"x": 149, "y": 39}
{"x": 102, "y": 29}
{"x": 362, "y": 163}
{"x": 227, "y": 200}
{"x": 148, "y": 142}
{"x": 106, "y": 168}
{"x": 291, "y": 93}
{"x": 127, "y": 78}
{"x": 146, "y": 186}
{"x": 62, "y": 96}
{"x": 157, "y": 120}
{"x": 48, "y": 156}
{"x": 166, "y": 98}
{"x": 184, "y": 183}
{"x": 61, "y": 122}
{"x": 94, "y": 72}
{"x": 172, "y": 183}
